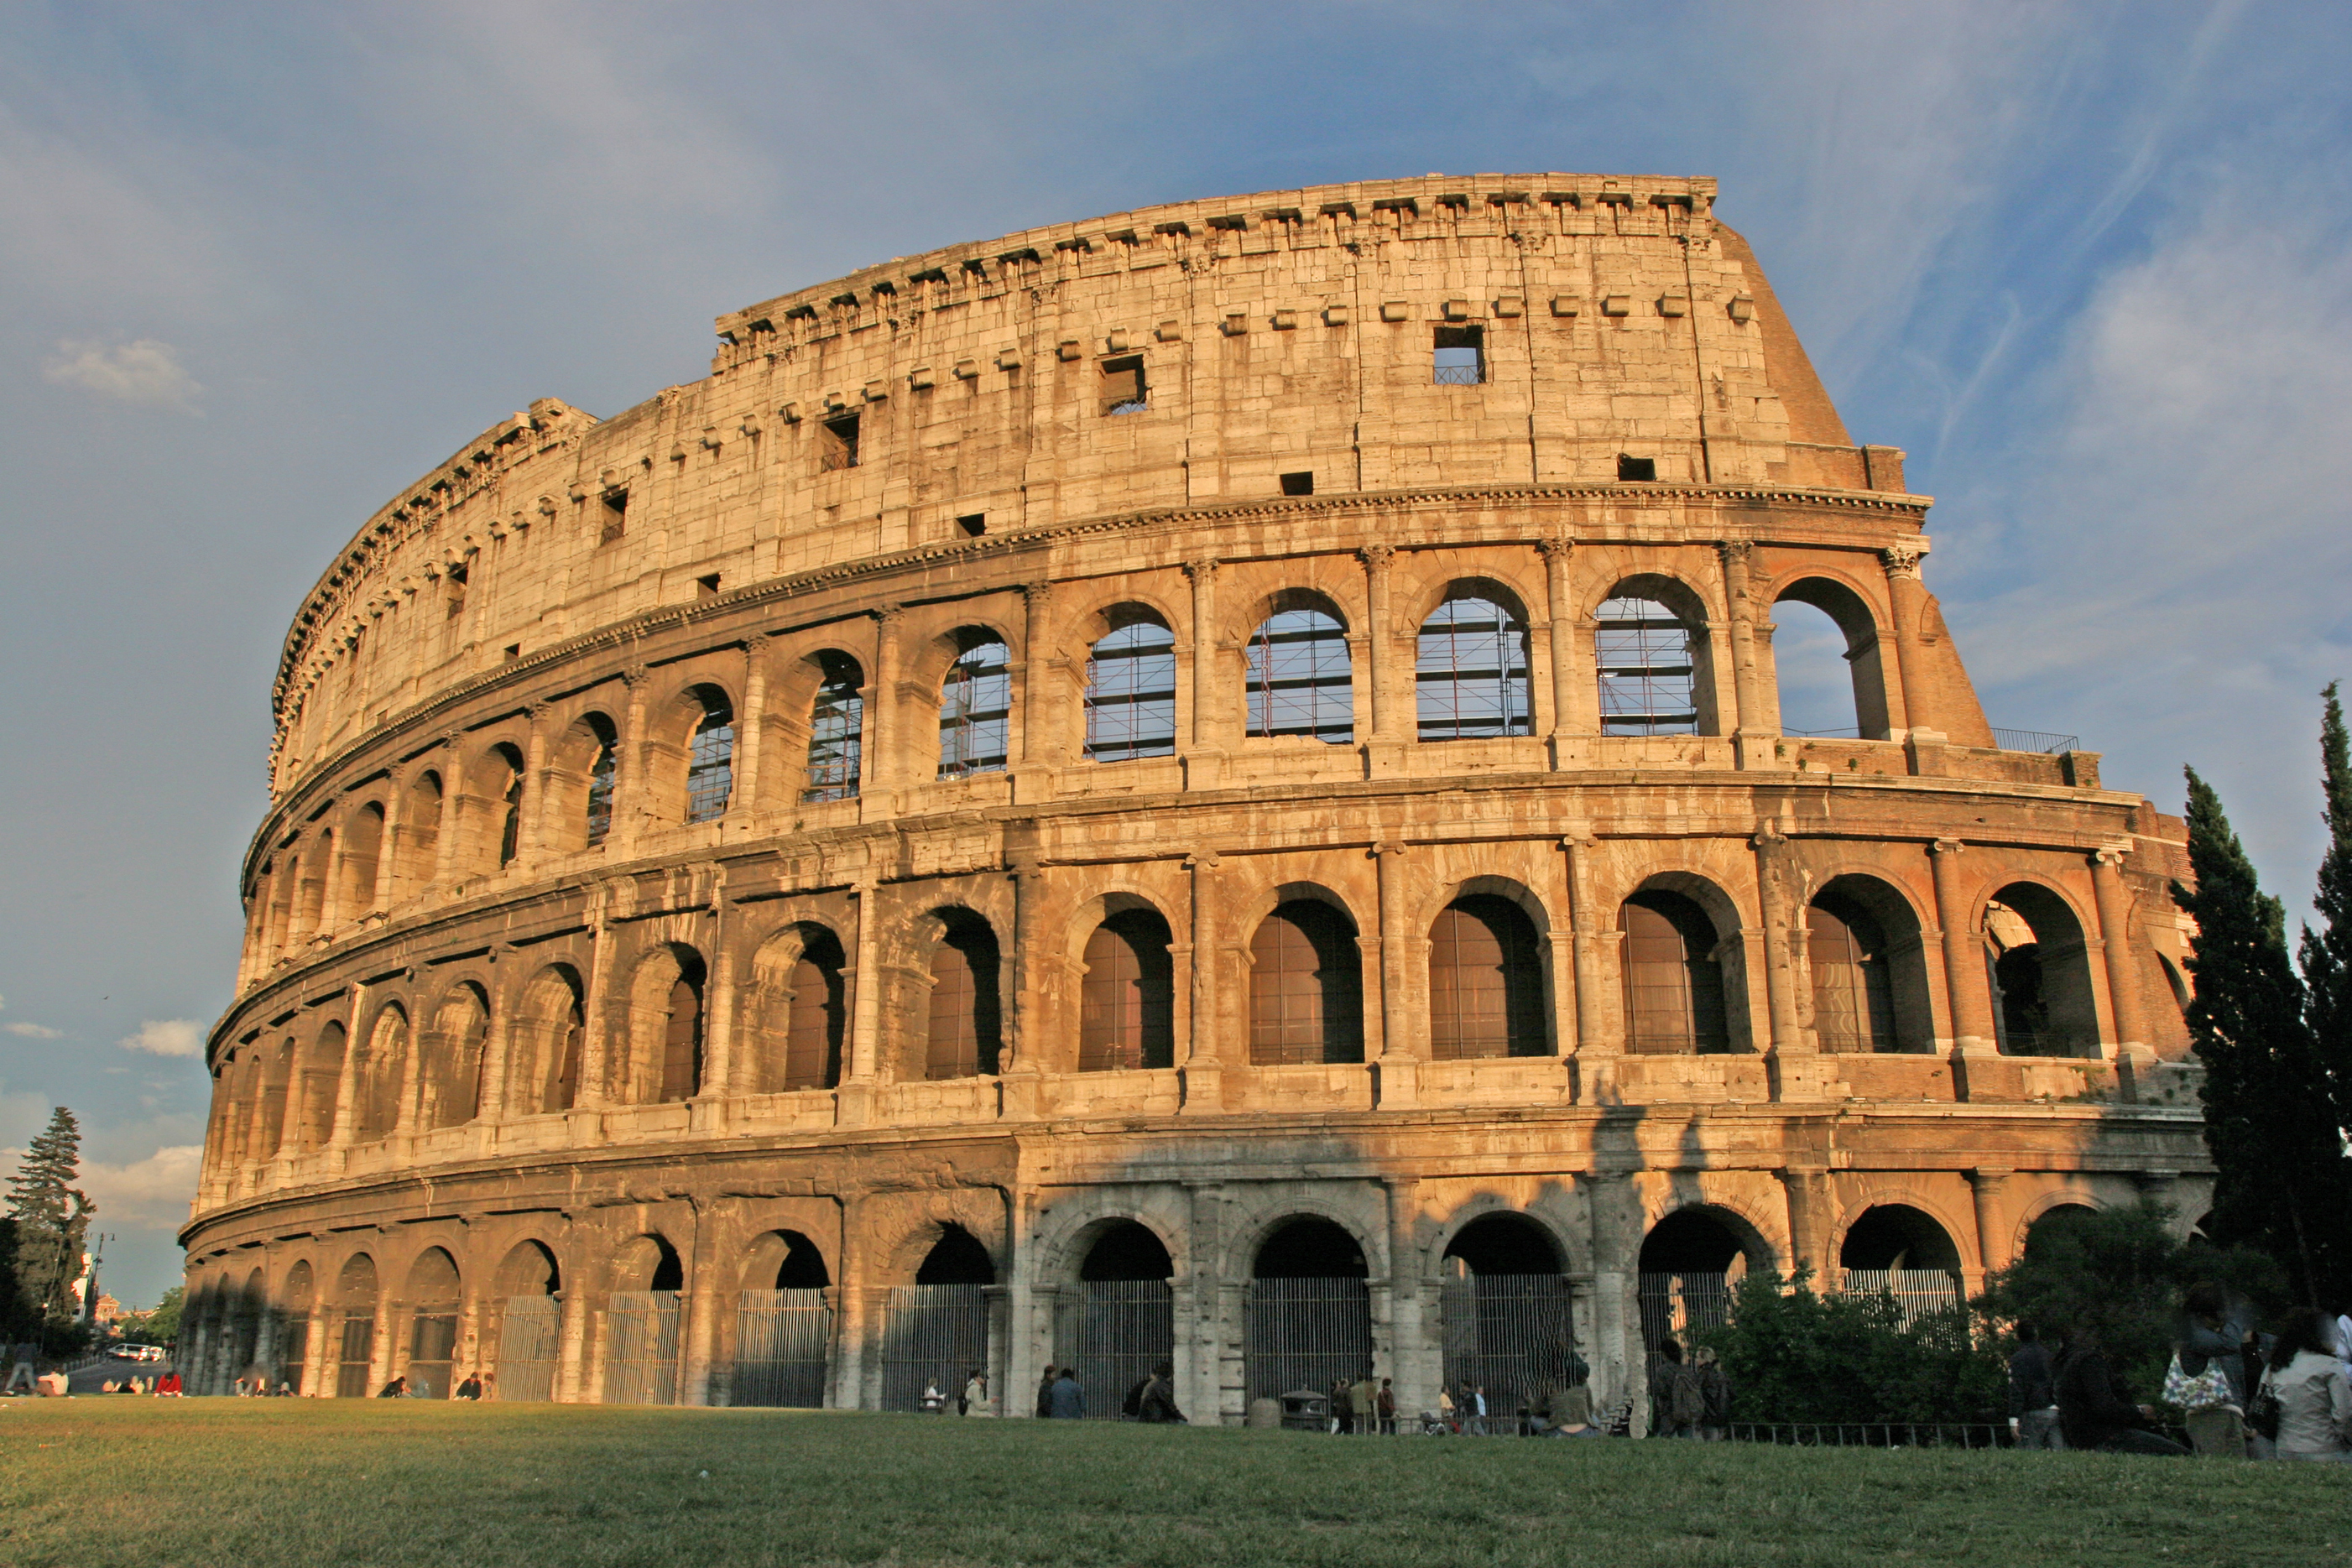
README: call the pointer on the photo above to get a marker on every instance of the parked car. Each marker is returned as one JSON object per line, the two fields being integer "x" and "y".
{"x": 135, "y": 1352}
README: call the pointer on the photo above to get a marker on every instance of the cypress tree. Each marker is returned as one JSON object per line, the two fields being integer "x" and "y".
{"x": 52, "y": 1218}
{"x": 2269, "y": 1121}
{"x": 2326, "y": 953}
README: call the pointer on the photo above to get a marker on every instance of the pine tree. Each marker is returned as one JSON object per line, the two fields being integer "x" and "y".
{"x": 2280, "y": 1182}
{"x": 51, "y": 1218}
{"x": 2326, "y": 953}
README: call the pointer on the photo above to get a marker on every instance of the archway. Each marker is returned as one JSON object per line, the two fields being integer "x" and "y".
{"x": 1310, "y": 1318}
{"x": 935, "y": 1331}
{"x": 1485, "y": 981}
{"x": 1510, "y": 1329}
{"x": 1826, "y": 662}
{"x": 1673, "y": 984}
{"x": 1868, "y": 968}
{"x": 1121, "y": 1321}
{"x": 433, "y": 1292}
{"x": 784, "y": 1325}
{"x": 294, "y": 1337}
{"x": 641, "y": 1318}
{"x": 1904, "y": 1251}
{"x": 1306, "y": 987}
{"x": 2055, "y": 1229}
{"x": 2041, "y": 971}
{"x": 528, "y": 1331}
{"x": 1126, "y": 995}
{"x": 1692, "y": 1260}
{"x": 355, "y": 1296}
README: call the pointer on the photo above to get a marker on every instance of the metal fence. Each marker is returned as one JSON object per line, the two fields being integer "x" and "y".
{"x": 293, "y": 1349}
{"x": 432, "y": 1353}
{"x": 641, "y": 1347}
{"x": 1512, "y": 1335}
{"x": 1307, "y": 1333}
{"x": 1918, "y": 1292}
{"x": 1872, "y": 1434}
{"x": 1113, "y": 1332}
{"x": 1675, "y": 1304}
{"x": 526, "y": 1351}
{"x": 932, "y": 1338}
{"x": 358, "y": 1352}
{"x": 2040, "y": 740}
{"x": 782, "y": 1342}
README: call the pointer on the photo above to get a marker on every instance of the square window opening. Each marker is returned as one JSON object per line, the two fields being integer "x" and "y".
{"x": 972, "y": 524}
{"x": 1298, "y": 484}
{"x": 513, "y": 651}
{"x": 1123, "y": 390}
{"x": 1460, "y": 356}
{"x": 1642, "y": 470}
{"x": 838, "y": 439}
{"x": 616, "y": 516}
{"x": 707, "y": 587}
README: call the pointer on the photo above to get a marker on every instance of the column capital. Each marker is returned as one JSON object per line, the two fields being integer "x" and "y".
{"x": 759, "y": 643}
{"x": 1991, "y": 1176}
{"x": 1384, "y": 849}
{"x": 635, "y": 676}
{"x": 1202, "y": 569}
{"x": 1902, "y": 560}
{"x": 1038, "y": 594}
{"x": 1735, "y": 552}
{"x": 1376, "y": 557}
{"x": 1946, "y": 847}
{"x": 1556, "y": 550}
{"x": 887, "y": 615}
{"x": 2110, "y": 855}
{"x": 1205, "y": 860}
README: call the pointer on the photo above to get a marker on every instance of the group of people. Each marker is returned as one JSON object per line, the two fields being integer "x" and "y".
{"x": 164, "y": 1385}
{"x": 1060, "y": 1396}
{"x": 1363, "y": 1408}
{"x": 26, "y": 1376}
{"x": 405, "y": 1387}
{"x": 2241, "y": 1394}
{"x": 1690, "y": 1396}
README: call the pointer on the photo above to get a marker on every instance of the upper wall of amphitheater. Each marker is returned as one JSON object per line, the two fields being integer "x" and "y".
{"x": 1177, "y": 368}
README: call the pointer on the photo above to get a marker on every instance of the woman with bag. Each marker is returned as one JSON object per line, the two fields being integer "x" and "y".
{"x": 2204, "y": 1381}
{"x": 2306, "y": 1393}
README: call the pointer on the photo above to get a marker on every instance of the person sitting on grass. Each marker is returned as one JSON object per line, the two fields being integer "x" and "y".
{"x": 396, "y": 1389}
{"x": 2095, "y": 1411}
{"x": 2315, "y": 1398}
{"x": 1571, "y": 1410}
{"x": 471, "y": 1388}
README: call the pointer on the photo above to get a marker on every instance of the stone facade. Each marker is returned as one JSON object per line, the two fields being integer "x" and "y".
{"x": 512, "y": 1021}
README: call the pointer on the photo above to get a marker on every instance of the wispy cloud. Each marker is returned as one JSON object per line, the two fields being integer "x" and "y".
{"x": 153, "y": 1192}
{"x": 167, "y": 1037}
{"x": 145, "y": 371}
{"x": 25, "y": 1030}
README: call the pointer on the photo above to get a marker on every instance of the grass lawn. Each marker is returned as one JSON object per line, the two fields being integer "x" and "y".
{"x": 255, "y": 1484}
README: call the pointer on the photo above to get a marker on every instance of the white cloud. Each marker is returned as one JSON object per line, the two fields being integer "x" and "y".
{"x": 143, "y": 370}
{"x": 33, "y": 1031}
{"x": 153, "y": 1192}
{"x": 167, "y": 1037}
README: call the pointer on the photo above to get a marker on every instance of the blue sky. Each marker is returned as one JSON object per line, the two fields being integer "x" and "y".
{"x": 261, "y": 265}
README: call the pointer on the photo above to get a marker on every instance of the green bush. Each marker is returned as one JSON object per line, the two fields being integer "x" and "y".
{"x": 1795, "y": 1356}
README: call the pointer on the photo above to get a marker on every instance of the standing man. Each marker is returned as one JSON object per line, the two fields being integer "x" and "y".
{"x": 1045, "y": 1393}
{"x": 1366, "y": 1397}
{"x": 2034, "y": 1393}
{"x": 26, "y": 1372}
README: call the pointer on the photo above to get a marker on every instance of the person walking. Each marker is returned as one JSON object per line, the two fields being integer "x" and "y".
{"x": 24, "y": 1370}
{"x": 1474, "y": 1405}
{"x": 2314, "y": 1397}
{"x": 1386, "y": 1408}
{"x": 1365, "y": 1398}
{"x": 1045, "y": 1393}
{"x": 1069, "y": 1400}
{"x": 1715, "y": 1395}
{"x": 2034, "y": 1393}
{"x": 1159, "y": 1402}
{"x": 1343, "y": 1408}
{"x": 2210, "y": 1356}
{"x": 2093, "y": 1409}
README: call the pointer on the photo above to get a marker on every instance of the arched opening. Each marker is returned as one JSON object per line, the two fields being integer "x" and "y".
{"x": 1310, "y": 1322}
{"x": 1470, "y": 672}
{"x": 836, "y": 740}
{"x": 1306, "y": 987}
{"x": 309, "y": 918}
{"x": 451, "y": 1085}
{"x": 1299, "y": 681}
{"x": 1131, "y": 690}
{"x": 420, "y": 830}
{"x": 355, "y": 1300}
{"x": 664, "y": 1063}
{"x": 1485, "y": 981}
{"x": 246, "y": 1311}
{"x": 2173, "y": 984}
{"x": 1510, "y": 1329}
{"x": 784, "y": 1328}
{"x": 592, "y": 747}
{"x": 507, "y": 776}
{"x": 433, "y": 1292}
{"x": 1869, "y": 980}
{"x": 314, "y": 1096}
{"x": 528, "y": 1330}
{"x": 816, "y": 1016}
{"x": 1121, "y": 1321}
{"x": 2040, "y": 973}
{"x": 1825, "y": 660}
{"x": 1691, "y": 1262}
{"x": 962, "y": 1037}
{"x": 546, "y": 1038}
{"x": 1674, "y": 1002}
{"x": 277, "y": 1075}
{"x": 711, "y": 756}
{"x": 294, "y": 1334}
{"x": 1899, "y": 1249}
{"x": 641, "y": 1318}
{"x": 1127, "y": 998}
{"x": 976, "y": 707}
{"x": 1648, "y": 657}
{"x": 935, "y": 1331}
{"x": 380, "y": 1075}
{"x": 363, "y": 853}
{"x": 2057, "y": 1229}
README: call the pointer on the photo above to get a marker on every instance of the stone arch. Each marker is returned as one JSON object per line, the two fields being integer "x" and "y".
{"x": 2030, "y": 1218}
{"x": 1306, "y": 981}
{"x": 313, "y": 1095}
{"x": 1693, "y": 1258}
{"x": 545, "y": 1040}
{"x": 1856, "y": 623}
{"x": 579, "y": 785}
{"x": 1899, "y": 1228}
{"x": 276, "y": 1081}
{"x": 800, "y": 1010}
{"x": 490, "y": 806}
{"x": 362, "y": 843}
{"x": 382, "y": 1072}
{"x": 1127, "y": 683}
{"x": 420, "y": 830}
{"x": 1501, "y": 1240}
{"x": 648, "y": 1262}
{"x": 974, "y": 696}
{"x": 1866, "y": 967}
{"x": 1473, "y": 663}
{"x": 784, "y": 1259}
{"x": 663, "y": 1063}
{"x": 689, "y": 752}
{"x": 432, "y": 1294}
{"x": 1656, "y": 665}
{"x": 1299, "y": 671}
{"x": 1682, "y": 968}
{"x": 296, "y": 1351}
{"x": 2038, "y": 956}
{"x": 529, "y": 1269}
{"x": 2176, "y": 984}
{"x": 1309, "y": 1324}
{"x": 1489, "y": 973}
{"x": 449, "y": 1058}
{"x": 963, "y": 1033}
{"x": 817, "y": 710}
{"x": 356, "y": 1294}
{"x": 956, "y": 1257}
{"x": 1123, "y": 962}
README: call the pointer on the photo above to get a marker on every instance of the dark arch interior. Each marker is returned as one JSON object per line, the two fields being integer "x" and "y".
{"x": 1689, "y": 1241}
{"x": 531, "y": 1270}
{"x": 669, "y": 1274}
{"x": 957, "y": 1259}
{"x": 1126, "y": 1250}
{"x": 2053, "y": 1226}
{"x": 804, "y": 1266}
{"x": 1310, "y": 1249}
{"x": 1504, "y": 1244}
{"x": 1895, "y": 1234}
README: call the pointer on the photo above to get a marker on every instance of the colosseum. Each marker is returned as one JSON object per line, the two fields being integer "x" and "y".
{"x": 1206, "y": 785}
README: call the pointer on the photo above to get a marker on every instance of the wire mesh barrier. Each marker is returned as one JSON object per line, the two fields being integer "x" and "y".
{"x": 781, "y": 1342}
{"x": 1872, "y": 1434}
{"x": 1307, "y": 1333}
{"x": 1113, "y": 1332}
{"x": 358, "y": 1351}
{"x": 432, "y": 1353}
{"x": 932, "y": 1338}
{"x": 2035, "y": 740}
{"x": 1512, "y": 1335}
{"x": 293, "y": 1350}
{"x": 641, "y": 1347}
{"x": 526, "y": 1351}
{"x": 1675, "y": 1304}
{"x": 1918, "y": 1292}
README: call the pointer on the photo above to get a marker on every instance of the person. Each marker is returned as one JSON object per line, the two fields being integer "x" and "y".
{"x": 2314, "y": 1397}
{"x": 1386, "y": 1408}
{"x": 975, "y": 1393}
{"x": 168, "y": 1386}
{"x": 1715, "y": 1395}
{"x": 1045, "y": 1393}
{"x": 2034, "y": 1393}
{"x": 471, "y": 1388}
{"x": 1446, "y": 1411}
{"x": 2214, "y": 1338}
{"x": 1365, "y": 1400}
{"x": 1571, "y": 1410}
{"x": 1159, "y": 1402}
{"x": 2344, "y": 1340}
{"x": 2094, "y": 1411}
{"x": 24, "y": 1368}
{"x": 933, "y": 1402}
{"x": 396, "y": 1389}
{"x": 1069, "y": 1399}
{"x": 1474, "y": 1406}
{"x": 1343, "y": 1407}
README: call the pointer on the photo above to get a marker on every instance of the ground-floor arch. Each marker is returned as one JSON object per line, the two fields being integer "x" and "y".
{"x": 783, "y": 1324}
{"x": 936, "y": 1331}
{"x": 1310, "y": 1322}
{"x": 1508, "y": 1316}
{"x": 1691, "y": 1262}
{"x": 1906, "y": 1252}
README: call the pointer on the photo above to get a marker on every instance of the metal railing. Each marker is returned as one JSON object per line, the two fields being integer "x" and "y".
{"x": 528, "y": 1353}
{"x": 1307, "y": 1334}
{"x": 1872, "y": 1434}
{"x": 641, "y": 1347}
{"x": 933, "y": 1336}
{"x": 783, "y": 1341}
{"x": 1113, "y": 1332}
{"x": 1918, "y": 1292}
{"x": 1511, "y": 1336}
{"x": 2035, "y": 740}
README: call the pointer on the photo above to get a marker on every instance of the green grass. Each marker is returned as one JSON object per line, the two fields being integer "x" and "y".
{"x": 255, "y": 1484}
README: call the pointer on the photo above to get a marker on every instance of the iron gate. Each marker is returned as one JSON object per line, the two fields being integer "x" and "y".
{"x": 527, "y": 1350}
{"x": 641, "y": 1347}
{"x": 1307, "y": 1333}
{"x": 1512, "y": 1335}
{"x": 1674, "y": 1305}
{"x": 1918, "y": 1292}
{"x": 432, "y": 1353}
{"x": 294, "y": 1342}
{"x": 359, "y": 1351}
{"x": 1114, "y": 1331}
{"x": 932, "y": 1338}
{"x": 781, "y": 1342}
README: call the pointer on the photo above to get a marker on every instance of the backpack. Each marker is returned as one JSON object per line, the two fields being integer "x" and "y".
{"x": 1687, "y": 1402}
{"x": 1133, "y": 1405}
